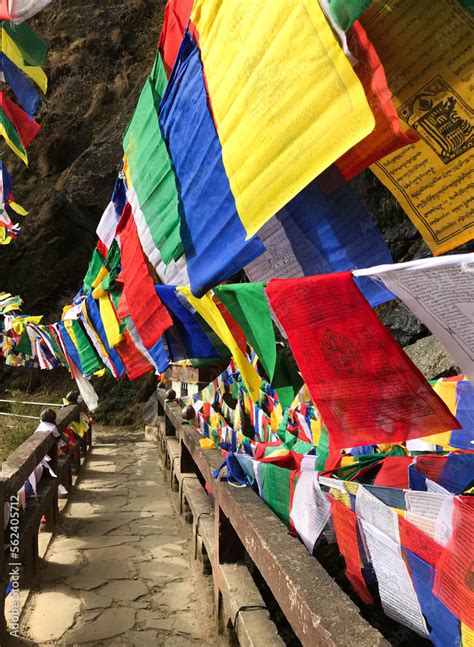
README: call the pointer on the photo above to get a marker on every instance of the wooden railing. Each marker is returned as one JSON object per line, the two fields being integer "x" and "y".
{"x": 19, "y": 559}
{"x": 232, "y": 527}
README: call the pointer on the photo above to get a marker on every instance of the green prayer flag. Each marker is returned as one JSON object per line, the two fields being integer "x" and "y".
{"x": 346, "y": 12}
{"x": 276, "y": 489}
{"x": 33, "y": 48}
{"x": 24, "y": 345}
{"x": 247, "y": 303}
{"x": 322, "y": 450}
{"x": 89, "y": 359}
{"x": 287, "y": 381}
{"x": 151, "y": 169}
{"x": 93, "y": 270}
{"x": 11, "y": 136}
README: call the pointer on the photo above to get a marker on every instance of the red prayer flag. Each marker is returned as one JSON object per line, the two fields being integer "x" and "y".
{"x": 394, "y": 472}
{"x": 345, "y": 527}
{"x": 26, "y": 127}
{"x": 367, "y": 389}
{"x": 177, "y": 14}
{"x": 135, "y": 363}
{"x": 387, "y": 135}
{"x": 4, "y": 12}
{"x": 148, "y": 314}
{"x": 237, "y": 332}
{"x": 454, "y": 579}
{"x": 431, "y": 466}
{"x": 419, "y": 542}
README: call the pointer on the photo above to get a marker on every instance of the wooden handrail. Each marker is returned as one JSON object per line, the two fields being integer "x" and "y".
{"x": 22, "y": 462}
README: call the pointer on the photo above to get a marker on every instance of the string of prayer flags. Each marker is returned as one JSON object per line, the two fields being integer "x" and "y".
{"x": 268, "y": 150}
{"x": 346, "y": 12}
{"x": 212, "y": 234}
{"x": 432, "y": 94}
{"x": 323, "y": 229}
{"x": 366, "y": 387}
{"x": 175, "y": 22}
{"x": 387, "y": 135}
{"x": 440, "y": 292}
{"x": 20, "y": 10}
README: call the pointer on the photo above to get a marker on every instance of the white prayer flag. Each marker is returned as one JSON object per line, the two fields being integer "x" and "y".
{"x": 440, "y": 292}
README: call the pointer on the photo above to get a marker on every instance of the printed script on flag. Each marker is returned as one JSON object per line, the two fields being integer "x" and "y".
{"x": 424, "y": 49}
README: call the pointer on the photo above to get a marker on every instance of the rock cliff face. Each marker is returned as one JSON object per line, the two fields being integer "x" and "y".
{"x": 100, "y": 54}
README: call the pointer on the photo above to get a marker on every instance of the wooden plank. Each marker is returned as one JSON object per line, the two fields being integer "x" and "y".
{"x": 244, "y": 608}
{"x": 319, "y": 612}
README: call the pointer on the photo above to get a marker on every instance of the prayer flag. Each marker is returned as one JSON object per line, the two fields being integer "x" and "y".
{"x": 177, "y": 13}
{"x": 211, "y": 231}
{"x": 26, "y": 127}
{"x": 27, "y": 96}
{"x": 367, "y": 389}
{"x": 151, "y": 171}
{"x": 440, "y": 292}
{"x": 464, "y": 438}
{"x": 197, "y": 344}
{"x": 387, "y": 136}
{"x": 13, "y": 52}
{"x": 4, "y": 12}
{"x": 432, "y": 94}
{"x": 271, "y": 151}
{"x": 346, "y": 12}
{"x": 210, "y": 312}
{"x": 20, "y": 10}
{"x": 444, "y": 627}
{"x": 247, "y": 303}
{"x": 148, "y": 314}
{"x": 136, "y": 364}
{"x": 33, "y": 48}
{"x": 345, "y": 527}
{"x": 454, "y": 572}
{"x": 323, "y": 229}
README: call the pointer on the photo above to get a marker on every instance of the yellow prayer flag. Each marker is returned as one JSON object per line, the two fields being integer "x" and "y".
{"x": 467, "y": 635}
{"x": 447, "y": 393}
{"x": 109, "y": 320}
{"x": 424, "y": 48}
{"x": 19, "y": 323}
{"x": 12, "y": 51}
{"x": 210, "y": 312}
{"x": 17, "y": 208}
{"x": 286, "y": 101}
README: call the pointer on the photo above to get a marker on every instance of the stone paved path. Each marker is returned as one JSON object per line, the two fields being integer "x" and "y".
{"x": 120, "y": 570}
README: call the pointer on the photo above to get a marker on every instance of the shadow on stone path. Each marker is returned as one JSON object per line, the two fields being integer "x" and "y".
{"x": 120, "y": 570}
